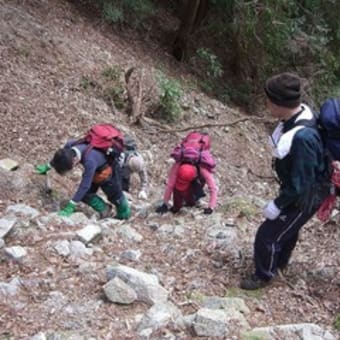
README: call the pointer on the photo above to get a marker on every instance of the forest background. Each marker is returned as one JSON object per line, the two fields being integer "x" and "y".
{"x": 232, "y": 46}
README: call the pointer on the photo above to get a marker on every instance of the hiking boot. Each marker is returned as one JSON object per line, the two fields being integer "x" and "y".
{"x": 100, "y": 206}
{"x": 106, "y": 213}
{"x": 123, "y": 209}
{"x": 174, "y": 211}
{"x": 253, "y": 282}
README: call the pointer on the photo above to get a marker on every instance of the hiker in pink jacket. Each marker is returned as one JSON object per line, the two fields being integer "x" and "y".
{"x": 185, "y": 183}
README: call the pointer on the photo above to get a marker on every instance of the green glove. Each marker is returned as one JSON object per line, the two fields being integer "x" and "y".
{"x": 68, "y": 210}
{"x": 43, "y": 169}
{"x": 123, "y": 209}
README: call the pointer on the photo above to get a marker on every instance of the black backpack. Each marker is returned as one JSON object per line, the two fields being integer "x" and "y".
{"x": 329, "y": 121}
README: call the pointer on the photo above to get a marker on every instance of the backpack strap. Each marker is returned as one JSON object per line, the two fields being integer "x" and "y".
{"x": 307, "y": 123}
{"x": 87, "y": 151}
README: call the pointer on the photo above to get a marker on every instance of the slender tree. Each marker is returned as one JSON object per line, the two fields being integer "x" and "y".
{"x": 192, "y": 14}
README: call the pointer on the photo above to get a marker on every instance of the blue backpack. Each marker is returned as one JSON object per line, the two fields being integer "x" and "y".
{"x": 329, "y": 120}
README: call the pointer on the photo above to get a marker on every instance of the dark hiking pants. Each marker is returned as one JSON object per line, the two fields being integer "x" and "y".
{"x": 275, "y": 240}
{"x": 126, "y": 174}
{"x": 112, "y": 187}
{"x": 188, "y": 197}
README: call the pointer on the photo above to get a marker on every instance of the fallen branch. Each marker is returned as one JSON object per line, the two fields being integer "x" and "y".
{"x": 269, "y": 178}
{"x": 198, "y": 127}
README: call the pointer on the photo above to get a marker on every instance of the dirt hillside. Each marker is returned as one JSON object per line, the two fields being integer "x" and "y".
{"x": 51, "y": 54}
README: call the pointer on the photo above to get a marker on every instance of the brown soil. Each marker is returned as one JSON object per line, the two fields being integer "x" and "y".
{"x": 47, "y": 49}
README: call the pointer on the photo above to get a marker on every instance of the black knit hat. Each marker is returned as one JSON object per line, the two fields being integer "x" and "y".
{"x": 284, "y": 90}
{"x": 63, "y": 160}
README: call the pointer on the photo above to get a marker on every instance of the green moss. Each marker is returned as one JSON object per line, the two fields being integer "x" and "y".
{"x": 196, "y": 296}
{"x": 337, "y": 322}
{"x": 241, "y": 206}
{"x": 237, "y": 292}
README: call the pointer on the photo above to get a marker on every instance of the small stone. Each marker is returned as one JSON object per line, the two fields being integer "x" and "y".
{"x": 9, "y": 164}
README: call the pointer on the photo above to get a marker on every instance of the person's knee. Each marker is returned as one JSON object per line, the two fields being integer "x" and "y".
{"x": 88, "y": 197}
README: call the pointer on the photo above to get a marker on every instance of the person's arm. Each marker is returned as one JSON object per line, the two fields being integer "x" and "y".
{"x": 209, "y": 178}
{"x": 305, "y": 155}
{"x": 171, "y": 182}
{"x": 90, "y": 167}
{"x": 143, "y": 175}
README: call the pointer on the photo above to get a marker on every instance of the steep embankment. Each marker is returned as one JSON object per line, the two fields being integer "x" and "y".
{"x": 52, "y": 61}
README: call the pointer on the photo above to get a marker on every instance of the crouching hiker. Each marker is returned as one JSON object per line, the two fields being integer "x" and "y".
{"x": 299, "y": 162}
{"x": 131, "y": 161}
{"x": 189, "y": 174}
{"x": 101, "y": 170}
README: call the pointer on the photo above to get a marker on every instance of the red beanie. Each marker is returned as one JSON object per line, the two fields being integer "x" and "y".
{"x": 185, "y": 175}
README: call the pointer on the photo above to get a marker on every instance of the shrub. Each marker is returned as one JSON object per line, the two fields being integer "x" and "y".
{"x": 130, "y": 12}
{"x": 112, "y": 73}
{"x": 337, "y": 322}
{"x": 212, "y": 65}
{"x": 259, "y": 38}
{"x": 170, "y": 95}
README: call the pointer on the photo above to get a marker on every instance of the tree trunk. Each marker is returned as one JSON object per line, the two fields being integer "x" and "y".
{"x": 192, "y": 14}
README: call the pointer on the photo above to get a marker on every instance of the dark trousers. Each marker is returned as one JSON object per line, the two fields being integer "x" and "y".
{"x": 112, "y": 187}
{"x": 126, "y": 174}
{"x": 275, "y": 241}
{"x": 182, "y": 197}
{"x": 188, "y": 197}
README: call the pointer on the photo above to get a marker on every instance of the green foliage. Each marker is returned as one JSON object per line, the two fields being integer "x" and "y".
{"x": 112, "y": 12}
{"x": 107, "y": 86}
{"x": 337, "y": 322}
{"x": 265, "y": 37}
{"x": 252, "y": 335}
{"x": 112, "y": 73}
{"x": 114, "y": 94}
{"x": 238, "y": 292}
{"x": 131, "y": 12}
{"x": 112, "y": 89}
{"x": 213, "y": 66}
{"x": 245, "y": 42}
{"x": 241, "y": 206}
{"x": 24, "y": 51}
{"x": 196, "y": 296}
{"x": 171, "y": 93}
{"x": 208, "y": 68}
{"x": 87, "y": 83}
{"x": 239, "y": 93}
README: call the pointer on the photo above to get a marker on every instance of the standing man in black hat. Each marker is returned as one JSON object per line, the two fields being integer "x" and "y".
{"x": 301, "y": 169}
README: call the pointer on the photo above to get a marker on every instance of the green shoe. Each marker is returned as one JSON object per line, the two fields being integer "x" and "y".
{"x": 100, "y": 206}
{"x": 123, "y": 209}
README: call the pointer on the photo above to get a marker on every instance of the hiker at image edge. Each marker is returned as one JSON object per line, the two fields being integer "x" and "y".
{"x": 301, "y": 167}
{"x": 131, "y": 161}
{"x": 193, "y": 168}
{"x": 98, "y": 153}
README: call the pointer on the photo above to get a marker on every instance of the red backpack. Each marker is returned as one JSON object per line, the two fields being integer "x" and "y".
{"x": 104, "y": 137}
{"x": 195, "y": 149}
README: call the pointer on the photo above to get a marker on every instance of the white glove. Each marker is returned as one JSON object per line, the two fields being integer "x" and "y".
{"x": 121, "y": 159}
{"x": 271, "y": 211}
{"x": 142, "y": 195}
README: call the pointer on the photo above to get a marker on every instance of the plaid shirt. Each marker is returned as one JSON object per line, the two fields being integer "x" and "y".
{"x": 302, "y": 172}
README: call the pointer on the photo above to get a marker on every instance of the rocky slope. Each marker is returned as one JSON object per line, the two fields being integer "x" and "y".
{"x": 58, "y": 283}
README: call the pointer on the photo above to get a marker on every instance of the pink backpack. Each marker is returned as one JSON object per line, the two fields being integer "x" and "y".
{"x": 104, "y": 137}
{"x": 195, "y": 149}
